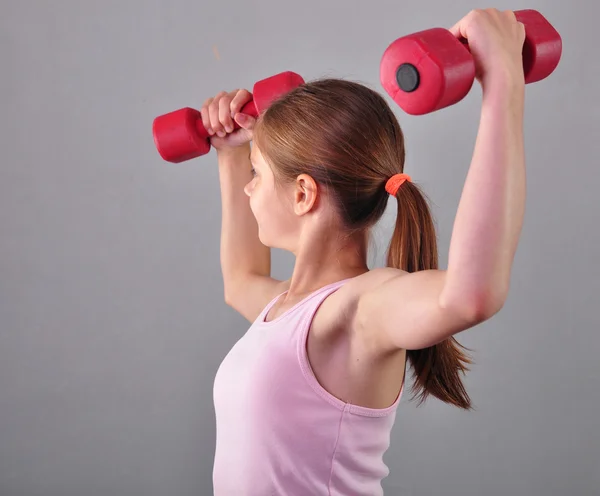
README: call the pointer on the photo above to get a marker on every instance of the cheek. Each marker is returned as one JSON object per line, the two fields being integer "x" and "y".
{"x": 261, "y": 203}
{"x": 268, "y": 211}
{"x": 283, "y": 218}
{"x": 269, "y": 208}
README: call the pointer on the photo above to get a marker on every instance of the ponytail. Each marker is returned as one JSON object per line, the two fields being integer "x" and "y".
{"x": 414, "y": 247}
{"x": 345, "y": 136}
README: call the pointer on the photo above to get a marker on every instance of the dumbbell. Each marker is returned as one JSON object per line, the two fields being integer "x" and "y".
{"x": 432, "y": 69}
{"x": 180, "y": 135}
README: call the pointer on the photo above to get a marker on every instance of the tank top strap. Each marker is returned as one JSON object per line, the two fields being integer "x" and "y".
{"x": 321, "y": 294}
{"x": 309, "y": 304}
{"x": 304, "y": 318}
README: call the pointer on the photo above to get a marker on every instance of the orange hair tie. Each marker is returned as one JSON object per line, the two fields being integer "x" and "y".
{"x": 394, "y": 183}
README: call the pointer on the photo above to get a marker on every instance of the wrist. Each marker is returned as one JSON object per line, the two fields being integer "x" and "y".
{"x": 504, "y": 83}
{"x": 504, "y": 93}
{"x": 234, "y": 152}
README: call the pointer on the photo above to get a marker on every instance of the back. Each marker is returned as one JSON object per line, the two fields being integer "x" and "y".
{"x": 278, "y": 431}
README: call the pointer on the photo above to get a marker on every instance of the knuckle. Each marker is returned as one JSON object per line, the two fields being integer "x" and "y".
{"x": 242, "y": 95}
{"x": 476, "y": 15}
{"x": 217, "y": 98}
{"x": 224, "y": 102}
{"x": 236, "y": 103}
{"x": 490, "y": 13}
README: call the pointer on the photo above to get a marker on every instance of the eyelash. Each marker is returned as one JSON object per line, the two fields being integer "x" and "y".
{"x": 253, "y": 171}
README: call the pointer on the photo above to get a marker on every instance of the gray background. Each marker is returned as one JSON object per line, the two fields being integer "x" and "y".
{"x": 111, "y": 301}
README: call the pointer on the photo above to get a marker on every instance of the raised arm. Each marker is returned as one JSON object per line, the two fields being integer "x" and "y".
{"x": 245, "y": 261}
{"x": 418, "y": 310}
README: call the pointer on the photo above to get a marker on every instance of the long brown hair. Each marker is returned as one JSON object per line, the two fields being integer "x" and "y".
{"x": 346, "y": 137}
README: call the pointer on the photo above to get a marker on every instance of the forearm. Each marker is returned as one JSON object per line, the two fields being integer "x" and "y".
{"x": 491, "y": 209}
{"x": 242, "y": 252}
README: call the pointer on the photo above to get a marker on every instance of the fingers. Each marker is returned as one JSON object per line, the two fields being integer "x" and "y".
{"x": 241, "y": 98}
{"x": 237, "y": 104}
{"x": 213, "y": 115}
{"x": 206, "y": 117}
{"x": 510, "y": 14}
{"x": 245, "y": 121}
{"x": 459, "y": 30}
{"x": 218, "y": 112}
{"x": 494, "y": 16}
{"x": 512, "y": 23}
{"x": 513, "y": 19}
{"x": 225, "y": 112}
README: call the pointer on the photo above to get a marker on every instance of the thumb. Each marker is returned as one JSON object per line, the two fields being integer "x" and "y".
{"x": 245, "y": 121}
{"x": 459, "y": 30}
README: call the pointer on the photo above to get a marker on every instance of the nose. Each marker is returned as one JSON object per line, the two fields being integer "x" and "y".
{"x": 247, "y": 188}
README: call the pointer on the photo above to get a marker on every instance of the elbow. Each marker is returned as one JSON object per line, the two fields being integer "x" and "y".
{"x": 483, "y": 309}
{"x": 477, "y": 308}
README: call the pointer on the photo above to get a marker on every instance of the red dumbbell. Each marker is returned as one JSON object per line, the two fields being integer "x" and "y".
{"x": 180, "y": 135}
{"x": 432, "y": 69}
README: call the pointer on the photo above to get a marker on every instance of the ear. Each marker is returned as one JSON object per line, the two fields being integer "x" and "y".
{"x": 306, "y": 194}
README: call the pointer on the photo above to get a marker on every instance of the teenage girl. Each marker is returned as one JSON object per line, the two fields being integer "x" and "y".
{"x": 306, "y": 399}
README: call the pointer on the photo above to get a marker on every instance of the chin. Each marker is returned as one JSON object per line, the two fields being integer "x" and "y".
{"x": 264, "y": 239}
{"x": 268, "y": 241}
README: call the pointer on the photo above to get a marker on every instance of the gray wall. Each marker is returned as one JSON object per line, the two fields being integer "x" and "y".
{"x": 112, "y": 320}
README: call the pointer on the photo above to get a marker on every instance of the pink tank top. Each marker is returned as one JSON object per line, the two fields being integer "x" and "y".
{"x": 279, "y": 432}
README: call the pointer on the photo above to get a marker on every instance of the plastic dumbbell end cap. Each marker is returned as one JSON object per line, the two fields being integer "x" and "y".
{"x": 408, "y": 77}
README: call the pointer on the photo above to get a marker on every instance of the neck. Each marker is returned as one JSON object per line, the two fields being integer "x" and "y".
{"x": 327, "y": 259}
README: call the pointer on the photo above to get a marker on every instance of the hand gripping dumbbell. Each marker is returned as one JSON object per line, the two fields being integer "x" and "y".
{"x": 180, "y": 135}
{"x": 432, "y": 69}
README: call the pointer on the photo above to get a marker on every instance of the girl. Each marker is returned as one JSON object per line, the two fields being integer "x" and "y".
{"x": 306, "y": 399}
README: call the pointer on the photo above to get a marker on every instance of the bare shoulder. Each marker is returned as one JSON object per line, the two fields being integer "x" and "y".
{"x": 375, "y": 277}
{"x": 339, "y": 309}
{"x": 253, "y": 293}
{"x": 350, "y": 292}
